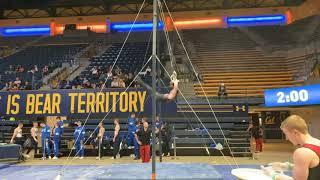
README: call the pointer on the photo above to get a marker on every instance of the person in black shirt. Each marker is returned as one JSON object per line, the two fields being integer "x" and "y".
{"x": 143, "y": 138}
{"x": 166, "y": 138}
{"x": 256, "y": 133}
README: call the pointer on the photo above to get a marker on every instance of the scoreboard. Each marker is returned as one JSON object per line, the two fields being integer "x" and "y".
{"x": 293, "y": 96}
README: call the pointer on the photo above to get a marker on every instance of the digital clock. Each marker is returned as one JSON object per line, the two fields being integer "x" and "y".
{"x": 294, "y": 96}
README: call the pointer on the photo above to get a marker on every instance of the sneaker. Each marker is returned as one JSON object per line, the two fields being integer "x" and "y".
{"x": 136, "y": 158}
{"x": 77, "y": 157}
{"x": 43, "y": 158}
{"x": 112, "y": 158}
{"x": 26, "y": 156}
{"x": 81, "y": 157}
{"x": 49, "y": 157}
{"x": 55, "y": 157}
{"x": 118, "y": 156}
{"x": 98, "y": 158}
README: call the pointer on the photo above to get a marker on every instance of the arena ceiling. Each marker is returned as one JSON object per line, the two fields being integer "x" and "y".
{"x": 12, "y": 9}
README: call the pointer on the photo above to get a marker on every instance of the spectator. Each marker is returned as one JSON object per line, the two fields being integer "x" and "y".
{"x": 121, "y": 83}
{"x": 117, "y": 71}
{"x": 34, "y": 69}
{"x": 21, "y": 69}
{"x": 130, "y": 80}
{"x": 103, "y": 76}
{"x": 94, "y": 72}
{"x": 17, "y": 68}
{"x": 115, "y": 82}
{"x": 15, "y": 87}
{"x": 87, "y": 85}
{"x": 222, "y": 91}
{"x": 61, "y": 84}
{"x": 27, "y": 86}
{"x": 17, "y": 81}
{"x": 45, "y": 70}
{"x": 68, "y": 85}
{"x": 85, "y": 81}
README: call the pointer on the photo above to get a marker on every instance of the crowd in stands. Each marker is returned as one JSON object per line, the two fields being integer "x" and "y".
{"x": 99, "y": 77}
{"x": 21, "y": 81}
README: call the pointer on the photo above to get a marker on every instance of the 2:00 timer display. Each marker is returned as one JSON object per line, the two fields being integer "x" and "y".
{"x": 293, "y": 96}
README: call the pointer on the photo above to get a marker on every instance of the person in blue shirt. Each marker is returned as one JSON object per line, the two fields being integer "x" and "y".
{"x": 60, "y": 124}
{"x": 78, "y": 135}
{"x": 45, "y": 138}
{"x": 56, "y": 140}
{"x": 132, "y": 129}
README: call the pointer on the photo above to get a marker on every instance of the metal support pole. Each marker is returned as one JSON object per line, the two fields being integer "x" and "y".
{"x": 154, "y": 103}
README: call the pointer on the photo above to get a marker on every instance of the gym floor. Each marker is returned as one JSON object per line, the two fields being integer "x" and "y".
{"x": 272, "y": 152}
{"x": 183, "y": 167}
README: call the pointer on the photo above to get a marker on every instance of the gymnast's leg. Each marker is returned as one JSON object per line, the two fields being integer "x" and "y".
{"x": 169, "y": 96}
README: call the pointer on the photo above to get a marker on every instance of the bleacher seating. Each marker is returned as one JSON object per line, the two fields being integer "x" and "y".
{"x": 229, "y": 56}
{"x": 284, "y": 36}
{"x": 37, "y": 55}
{"x": 60, "y": 39}
{"x": 131, "y": 60}
{"x": 16, "y": 42}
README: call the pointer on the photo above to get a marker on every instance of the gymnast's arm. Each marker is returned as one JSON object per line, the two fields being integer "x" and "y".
{"x": 302, "y": 159}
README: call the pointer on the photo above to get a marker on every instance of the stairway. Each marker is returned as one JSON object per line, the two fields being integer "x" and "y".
{"x": 239, "y": 141}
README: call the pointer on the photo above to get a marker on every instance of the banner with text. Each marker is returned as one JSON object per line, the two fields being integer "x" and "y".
{"x": 68, "y": 102}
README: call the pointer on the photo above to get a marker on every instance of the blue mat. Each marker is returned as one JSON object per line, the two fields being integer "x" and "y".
{"x": 121, "y": 171}
{"x": 4, "y": 165}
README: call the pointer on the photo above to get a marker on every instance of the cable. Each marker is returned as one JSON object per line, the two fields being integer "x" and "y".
{"x": 196, "y": 115}
{"x": 194, "y": 71}
{"x": 141, "y": 7}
